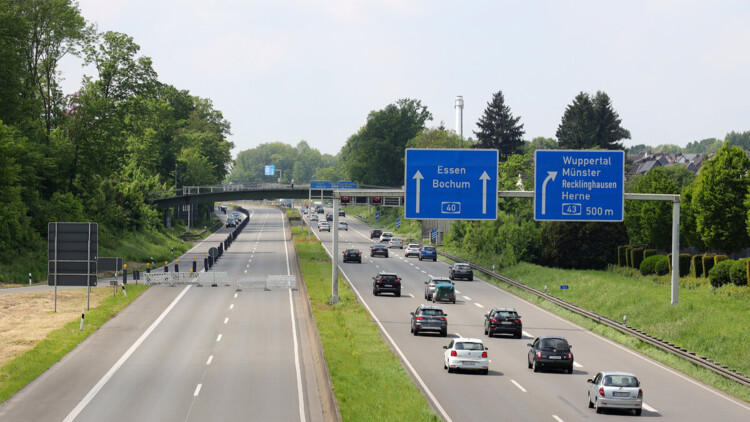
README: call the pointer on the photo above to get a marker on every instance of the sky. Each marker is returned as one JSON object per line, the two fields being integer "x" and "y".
{"x": 676, "y": 71}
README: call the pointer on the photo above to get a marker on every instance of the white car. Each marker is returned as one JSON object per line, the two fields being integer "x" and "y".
{"x": 385, "y": 237}
{"x": 324, "y": 226}
{"x": 466, "y": 353}
{"x": 412, "y": 249}
{"x": 615, "y": 390}
{"x": 313, "y": 217}
{"x": 343, "y": 225}
{"x": 396, "y": 242}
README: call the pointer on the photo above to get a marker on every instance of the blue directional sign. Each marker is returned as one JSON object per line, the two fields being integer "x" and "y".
{"x": 451, "y": 184}
{"x": 434, "y": 235}
{"x": 270, "y": 170}
{"x": 321, "y": 184}
{"x": 346, "y": 185}
{"x": 377, "y": 215}
{"x": 579, "y": 185}
{"x": 398, "y": 223}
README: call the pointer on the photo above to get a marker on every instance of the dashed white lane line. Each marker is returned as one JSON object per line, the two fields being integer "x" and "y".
{"x": 411, "y": 295}
{"x": 210, "y": 358}
{"x": 577, "y": 365}
{"x": 247, "y": 266}
{"x": 518, "y": 385}
{"x": 466, "y": 297}
{"x": 526, "y": 334}
{"x": 245, "y": 271}
{"x": 231, "y": 306}
{"x": 424, "y": 272}
{"x": 478, "y": 305}
{"x": 235, "y": 295}
{"x": 557, "y": 418}
{"x": 457, "y": 292}
{"x": 226, "y": 320}
{"x": 197, "y": 390}
{"x": 218, "y": 338}
{"x": 649, "y": 408}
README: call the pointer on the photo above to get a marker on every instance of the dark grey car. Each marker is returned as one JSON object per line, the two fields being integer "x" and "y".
{"x": 429, "y": 318}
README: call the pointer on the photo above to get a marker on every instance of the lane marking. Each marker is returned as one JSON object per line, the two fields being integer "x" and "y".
{"x": 518, "y": 385}
{"x": 235, "y": 295}
{"x": 300, "y": 396}
{"x": 577, "y": 365}
{"x": 424, "y": 272}
{"x": 458, "y": 292}
{"x": 210, "y": 358}
{"x": 411, "y": 295}
{"x": 557, "y": 418}
{"x": 218, "y": 338}
{"x": 478, "y": 305}
{"x": 649, "y": 408}
{"x": 231, "y": 306}
{"x": 99, "y": 385}
{"x": 286, "y": 250}
{"x": 467, "y": 297}
{"x": 226, "y": 320}
{"x": 527, "y": 334}
{"x": 197, "y": 390}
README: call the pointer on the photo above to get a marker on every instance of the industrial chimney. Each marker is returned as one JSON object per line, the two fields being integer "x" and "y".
{"x": 460, "y": 116}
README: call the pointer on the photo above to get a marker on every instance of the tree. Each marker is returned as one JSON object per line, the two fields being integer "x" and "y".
{"x": 375, "y": 154}
{"x": 704, "y": 146}
{"x": 650, "y": 222}
{"x": 438, "y": 138}
{"x": 581, "y": 245}
{"x": 739, "y": 139}
{"x": 540, "y": 142}
{"x": 591, "y": 123}
{"x": 498, "y": 129}
{"x": 720, "y": 191}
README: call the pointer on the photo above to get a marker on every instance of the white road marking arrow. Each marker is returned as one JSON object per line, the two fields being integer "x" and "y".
{"x": 550, "y": 175}
{"x": 484, "y": 178}
{"x": 418, "y": 176}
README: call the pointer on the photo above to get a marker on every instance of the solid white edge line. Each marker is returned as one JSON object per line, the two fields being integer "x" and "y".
{"x": 518, "y": 385}
{"x": 197, "y": 390}
{"x": 210, "y": 358}
{"x": 99, "y": 385}
{"x": 557, "y": 418}
{"x": 286, "y": 249}
{"x": 300, "y": 394}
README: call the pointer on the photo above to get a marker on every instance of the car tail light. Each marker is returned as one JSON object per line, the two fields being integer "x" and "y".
{"x": 539, "y": 355}
{"x": 359, "y": 254}
{"x": 398, "y": 280}
{"x": 517, "y": 321}
{"x": 443, "y": 319}
{"x": 453, "y": 353}
{"x": 419, "y": 318}
{"x": 640, "y": 393}
{"x": 570, "y": 356}
{"x": 495, "y": 320}
{"x": 484, "y": 354}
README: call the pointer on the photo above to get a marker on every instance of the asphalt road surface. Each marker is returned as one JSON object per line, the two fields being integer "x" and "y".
{"x": 192, "y": 353}
{"x": 511, "y": 391}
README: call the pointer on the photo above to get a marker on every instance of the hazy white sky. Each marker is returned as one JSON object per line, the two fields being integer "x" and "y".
{"x": 290, "y": 70}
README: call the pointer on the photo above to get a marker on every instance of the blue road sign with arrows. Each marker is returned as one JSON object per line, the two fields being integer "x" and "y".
{"x": 451, "y": 184}
{"x": 579, "y": 185}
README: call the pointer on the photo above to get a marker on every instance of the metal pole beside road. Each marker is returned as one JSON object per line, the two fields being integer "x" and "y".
{"x": 335, "y": 254}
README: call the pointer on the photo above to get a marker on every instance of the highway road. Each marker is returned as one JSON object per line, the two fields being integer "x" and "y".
{"x": 511, "y": 391}
{"x": 193, "y": 353}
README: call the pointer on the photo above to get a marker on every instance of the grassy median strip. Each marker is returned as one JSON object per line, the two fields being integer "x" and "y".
{"x": 708, "y": 323}
{"x": 369, "y": 381}
{"x": 24, "y": 368}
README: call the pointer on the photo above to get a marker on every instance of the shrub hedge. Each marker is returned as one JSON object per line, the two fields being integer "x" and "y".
{"x": 738, "y": 272}
{"x": 719, "y": 275}
{"x": 698, "y": 265}
{"x": 637, "y": 257}
{"x": 648, "y": 252}
{"x": 648, "y": 266}
{"x": 685, "y": 260}
{"x": 708, "y": 263}
{"x": 621, "y": 250}
{"x": 662, "y": 266}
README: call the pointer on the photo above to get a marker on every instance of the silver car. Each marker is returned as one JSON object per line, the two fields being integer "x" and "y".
{"x": 429, "y": 288}
{"x": 466, "y": 353}
{"x": 615, "y": 390}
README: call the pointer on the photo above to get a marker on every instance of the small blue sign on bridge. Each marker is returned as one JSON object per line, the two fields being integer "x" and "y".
{"x": 270, "y": 170}
{"x": 451, "y": 184}
{"x": 321, "y": 184}
{"x": 398, "y": 223}
{"x": 346, "y": 185}
{"x": 579, "y": 185}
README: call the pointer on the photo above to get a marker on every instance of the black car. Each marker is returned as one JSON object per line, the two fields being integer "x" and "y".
{"x": 429, "y": 318}
{"x": 503, "y": 320}
{"x": 460, "y": 270}
{"x": 386, "y": 282}
{"x": 376, "y": 234}
{"x": 231, "y": 222}
{"x": 353, "y": 255}
{"x": 342, "y": 213}
{"x": 379, "y": 249}
{"x": 329, "y": 217}
{"x": 550, "y": 352}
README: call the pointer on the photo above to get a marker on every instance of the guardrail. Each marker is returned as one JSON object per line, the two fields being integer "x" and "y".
{"x": 640, "y": 335}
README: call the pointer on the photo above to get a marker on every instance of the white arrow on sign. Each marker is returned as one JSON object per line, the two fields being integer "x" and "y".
{"x": 419, "y": 178}
{"x": 550, "y": 175}
{"x": 484, "y": 178}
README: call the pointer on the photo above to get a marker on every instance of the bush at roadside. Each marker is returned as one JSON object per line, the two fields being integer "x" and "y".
{"x": 719, "y": 275}
{"x": 648, "y": 266}
{"x": 738, "y": 272}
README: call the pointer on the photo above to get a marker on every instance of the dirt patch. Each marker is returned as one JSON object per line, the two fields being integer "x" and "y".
{"x": 26, "y": 318}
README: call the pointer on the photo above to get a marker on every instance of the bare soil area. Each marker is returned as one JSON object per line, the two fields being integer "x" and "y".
{"x": 26, "y": 318}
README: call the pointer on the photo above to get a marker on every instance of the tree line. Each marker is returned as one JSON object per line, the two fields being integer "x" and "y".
{"x": 98, "y": 153}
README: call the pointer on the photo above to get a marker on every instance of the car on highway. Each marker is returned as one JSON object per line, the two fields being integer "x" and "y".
{"x": 429, "y": 318}
{"x": 324, "y": 226}
{"x": 615, "y": 390}
{"x": 503, "y": 320}
{"x": 461, "y": 270}
{"x": 313, "y": 217}
{"x": 428, "y": 252}
{"x": 224, "y": 208}
{"x": 396, "y": 242}
{"x": 430, "y": 284}
{"x": 386, "y": 282}
{"x": 550, "y": 352}
{"x": 231, "y": 222}
{"x": 466, "y": 353}
{"x": 319, "y": 209}
{"x": 353, "y": 255}
{"x": 375, "y": 233}
{"x": 379, "y": 249}
{"x": 342, "y": 213}
{"x": 343, "y": 225}
{"x": 444, "y": 292}
{"x": 385, "y": 237}
{"x": 412, "y": 249}
{"x": 329, "y": 217}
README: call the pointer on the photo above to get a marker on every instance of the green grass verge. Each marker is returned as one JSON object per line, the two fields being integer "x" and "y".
{"x": 362, "y": 366}
{"x": 23, "y": 369}
{"x": 706, "y": 322}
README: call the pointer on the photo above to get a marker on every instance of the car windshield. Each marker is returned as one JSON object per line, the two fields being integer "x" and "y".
{"x": 620, "y": 381}
{"x": 432, "y": 312}
{"x": 469, "y": 346}
{"x": 554, "y": 343}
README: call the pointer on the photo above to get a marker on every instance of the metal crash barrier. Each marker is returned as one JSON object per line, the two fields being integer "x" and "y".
{"x": 268, "y": 282}
{"x": 183, "y": 279}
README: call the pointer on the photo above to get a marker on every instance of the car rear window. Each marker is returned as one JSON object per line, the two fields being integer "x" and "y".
{"x": 388, "y": 277}
{"x": 463, "y": 267}
{"x": 505, "y": 314}
{"x": 554, "y": 343}
{"x": 620, "y": 381}
{"x": 469, "y": 346}
{"x": 432, "y": 312}
{"x": 428, "y": 248}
